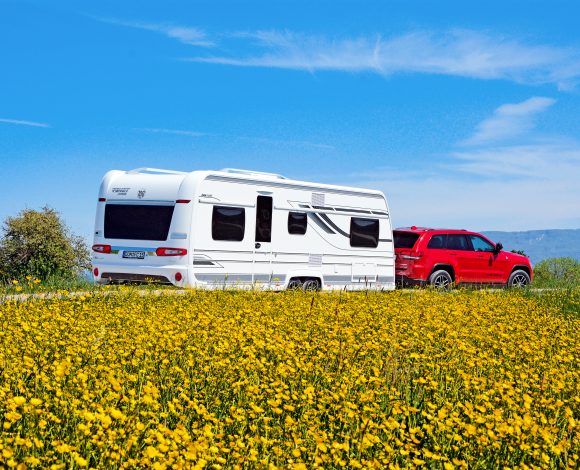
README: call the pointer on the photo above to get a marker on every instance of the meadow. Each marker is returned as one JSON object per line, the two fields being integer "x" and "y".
{"x": 223, "y": 379}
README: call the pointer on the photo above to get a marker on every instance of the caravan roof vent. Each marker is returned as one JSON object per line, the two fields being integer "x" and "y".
{"x": 155, "y": 171}
{"x": 253, "y": 173}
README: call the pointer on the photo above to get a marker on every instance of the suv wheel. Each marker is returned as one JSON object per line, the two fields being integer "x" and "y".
{"x": 519, "y": 278}
{"x": 440, "y": 279}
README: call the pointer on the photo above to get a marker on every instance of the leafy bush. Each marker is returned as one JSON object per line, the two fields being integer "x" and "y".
{"x": 39, "y": 244}
{"x": 557, "y": 272}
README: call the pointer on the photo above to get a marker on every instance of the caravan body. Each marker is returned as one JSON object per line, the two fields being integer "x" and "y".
{"x": 240, "y": 229}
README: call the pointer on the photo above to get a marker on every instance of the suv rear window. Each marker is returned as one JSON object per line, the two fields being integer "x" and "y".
{"x": 405, "y": 239}
{"x": 137, "y": 221}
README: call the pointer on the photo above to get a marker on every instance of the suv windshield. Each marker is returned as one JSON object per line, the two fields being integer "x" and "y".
{"x": 405, "y": 239}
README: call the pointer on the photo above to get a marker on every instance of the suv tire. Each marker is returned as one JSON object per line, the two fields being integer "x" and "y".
{"x": 440, "y": 279}
{"x": 519, "y": 278}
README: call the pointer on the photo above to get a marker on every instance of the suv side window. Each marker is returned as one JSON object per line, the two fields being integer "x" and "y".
{"x": 437, "y": 242}
{"x": 458, "y": 242}
{"x": 479, "y": 244}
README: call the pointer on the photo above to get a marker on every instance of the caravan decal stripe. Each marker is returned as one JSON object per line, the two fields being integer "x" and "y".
{"x": 334, "y": 226}
{"x": 229, "y": 278}
{"x": 321, "y": 224}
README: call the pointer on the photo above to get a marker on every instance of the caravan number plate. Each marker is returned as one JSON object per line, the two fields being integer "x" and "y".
{"x": 134, "y": 254}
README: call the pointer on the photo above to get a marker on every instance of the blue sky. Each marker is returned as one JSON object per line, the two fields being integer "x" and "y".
{"x": 464, "y": 114}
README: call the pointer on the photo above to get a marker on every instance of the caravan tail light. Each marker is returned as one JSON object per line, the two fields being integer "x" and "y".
{"x": 178, "y": 277}
{"x": 102, "y": 248}
{"x": 183, "y": 201}
{"x": 413, "y": 255}
{"x": 96, "y": 272}
{"x": 170, "y": 251}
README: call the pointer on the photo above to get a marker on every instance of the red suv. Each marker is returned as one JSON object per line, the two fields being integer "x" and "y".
{"x": 442, "y": 257}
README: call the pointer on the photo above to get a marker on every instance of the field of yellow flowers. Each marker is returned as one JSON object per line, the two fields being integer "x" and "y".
{"x": 228, "y": 379}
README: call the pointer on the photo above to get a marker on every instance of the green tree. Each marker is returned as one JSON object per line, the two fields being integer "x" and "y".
{"x": 557, "y": 271}
{"x": 38, "y": 243}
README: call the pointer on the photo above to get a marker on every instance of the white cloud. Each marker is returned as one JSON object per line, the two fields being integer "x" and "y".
{"x": 292, "y": 143}
{"x": 452, "y": 201}
{"x": 509, "y": 121}
{"x": 184, "y": 34}
{"x": 532, "y": 183}
{"x": 19, "y": 122}
{"x": 458, "y": 52}
{"x": 258, "y": 140}
{"x": 549, "y": 159}
{"x": 158, "y": 130}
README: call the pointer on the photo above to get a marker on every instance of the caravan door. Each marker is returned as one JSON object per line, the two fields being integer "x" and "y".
{"x": 262, "y": 272}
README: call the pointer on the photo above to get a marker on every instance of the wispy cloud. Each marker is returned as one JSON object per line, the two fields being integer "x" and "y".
{"x": 158, "y": 130}
{"x": 504, "y": 146}
{"x": 544, "y": 159}
{"x": 293, "y": 143}
{"x": 462, "y": 53}
{"x": 509, "y": 121}
{"x": 258, "y": 140}
{"x": 530, "y": 182}
{"x": 184, "y": 34}
{"x": 19, "y": 122}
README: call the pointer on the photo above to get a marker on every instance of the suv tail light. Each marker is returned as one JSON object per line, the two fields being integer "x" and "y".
{"x": 162, "y": 251}
{"x": 408, "y": 254}
{"x": 102, "y": 248}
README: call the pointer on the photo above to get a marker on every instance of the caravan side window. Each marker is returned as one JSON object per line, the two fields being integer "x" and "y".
{"x": 228, "y": 223}
{"x": 297, "y": 223}
{"x": 364, "y": 233}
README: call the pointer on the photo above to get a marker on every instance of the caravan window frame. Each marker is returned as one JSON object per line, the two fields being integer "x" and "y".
{"x": 303, "y": 225}
{"x": 359, "y": 235}
{"x": 215, "y": 222}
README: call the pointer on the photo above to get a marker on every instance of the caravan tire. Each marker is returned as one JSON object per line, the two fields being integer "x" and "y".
{"x": 294, "y": 284}
{"x": 311, "y": 285}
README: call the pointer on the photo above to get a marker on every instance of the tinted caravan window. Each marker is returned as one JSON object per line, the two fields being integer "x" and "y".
{"x": 364, "y": 233}
{"x": 228, "y": 223}
{"x": 137, "y": 221}
{"x": 297, "y": 223}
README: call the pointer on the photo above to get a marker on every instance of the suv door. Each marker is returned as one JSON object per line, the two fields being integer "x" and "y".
{"x": 462, "y": 257}
{"x": 489, "y": 264}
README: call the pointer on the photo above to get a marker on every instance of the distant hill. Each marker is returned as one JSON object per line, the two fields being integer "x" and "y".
{"x": 540, "y": 244}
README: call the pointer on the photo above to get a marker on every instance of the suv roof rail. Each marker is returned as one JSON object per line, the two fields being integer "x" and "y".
{"x": 156, "y": 171}
{"x": 252, "y": 172}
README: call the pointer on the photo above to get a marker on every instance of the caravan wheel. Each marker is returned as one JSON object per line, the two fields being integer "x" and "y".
{"x": 294, "y": 284}
{"x": 311, "y": 284}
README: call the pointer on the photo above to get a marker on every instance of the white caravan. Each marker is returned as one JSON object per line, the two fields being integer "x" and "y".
{"x": 237, "y": 228}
